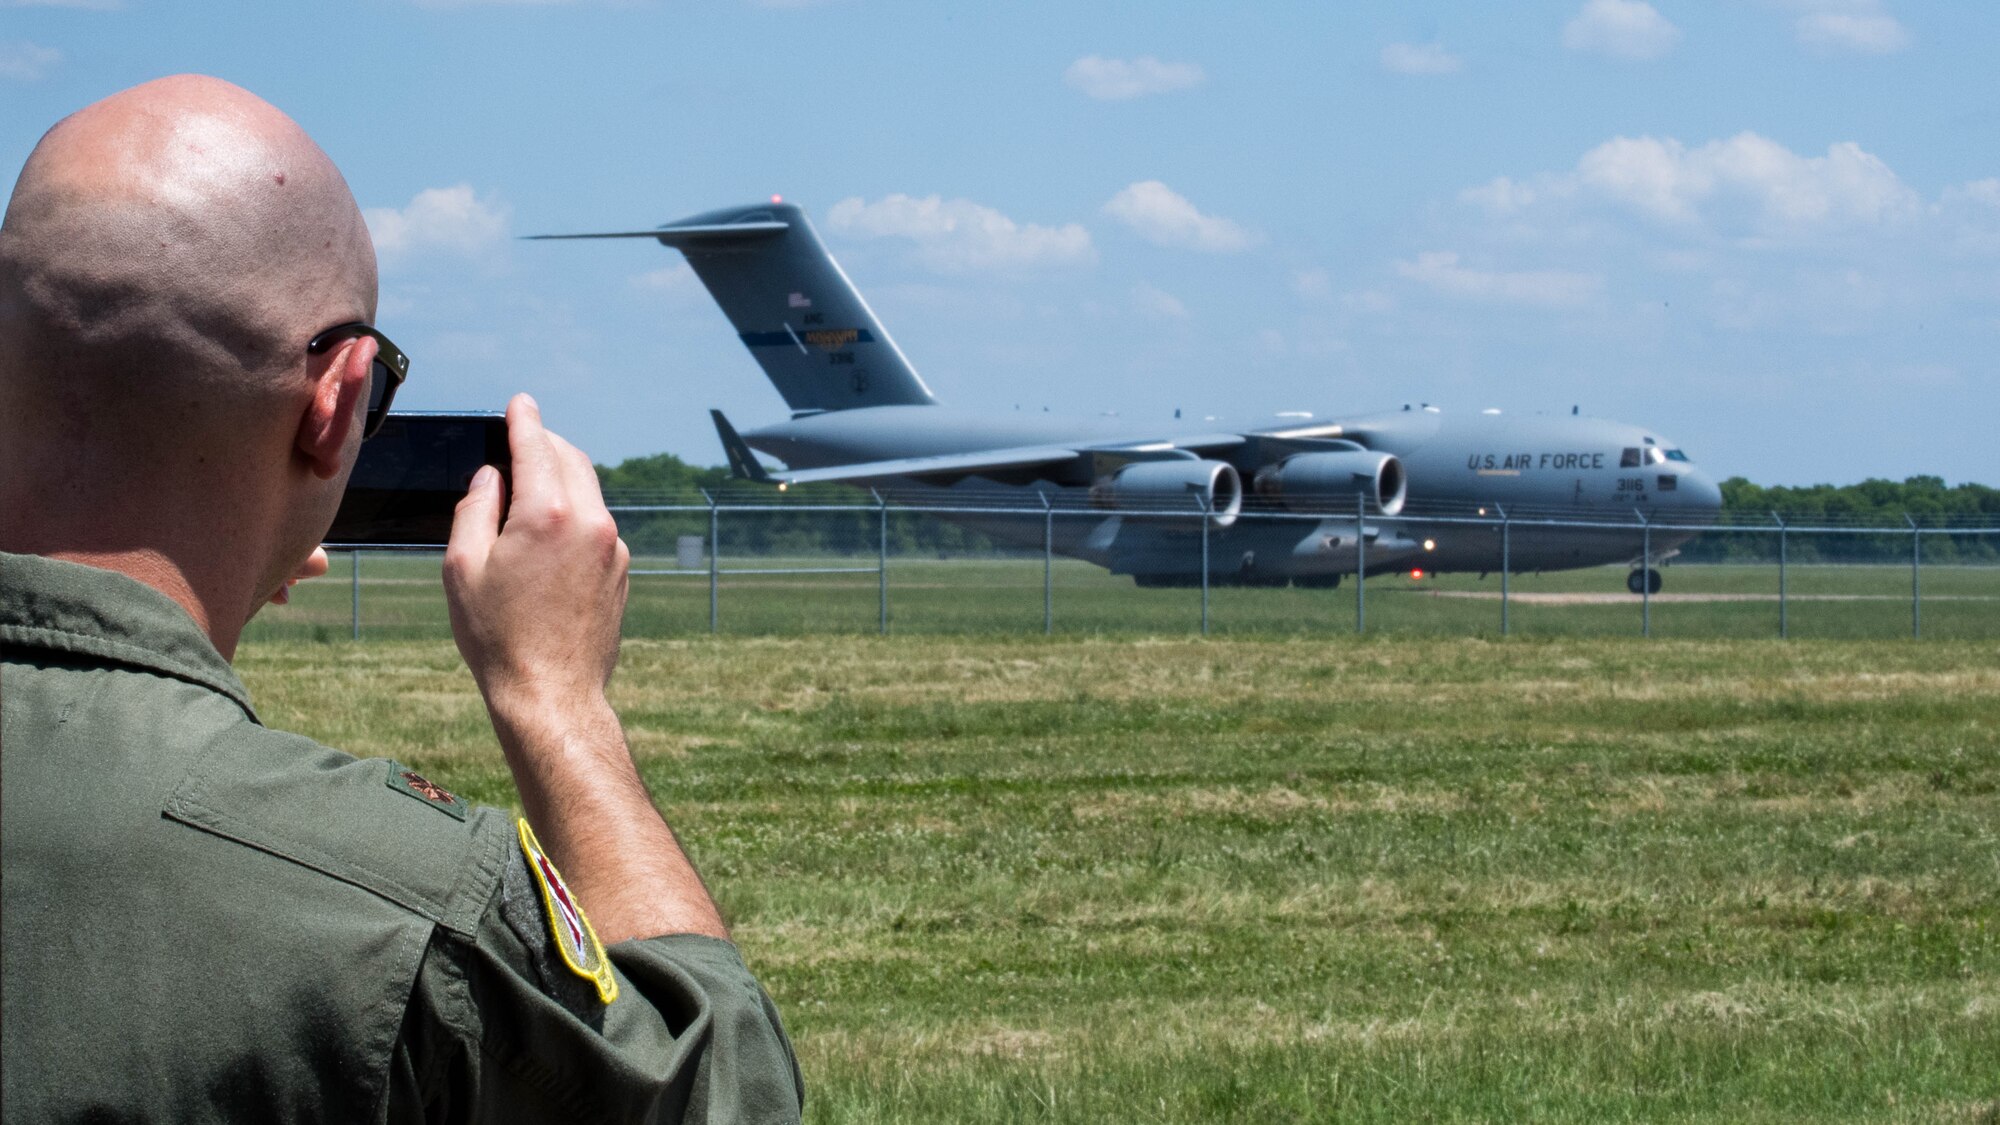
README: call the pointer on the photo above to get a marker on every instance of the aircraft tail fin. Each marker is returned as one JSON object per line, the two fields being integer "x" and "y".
{"x": 793, "y": 307}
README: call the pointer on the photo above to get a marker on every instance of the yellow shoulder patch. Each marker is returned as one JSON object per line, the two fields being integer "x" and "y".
{"x": 576, "y": 941}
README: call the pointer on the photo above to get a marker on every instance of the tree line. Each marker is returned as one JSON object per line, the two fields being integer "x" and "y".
{"x": 1871, "y": 503}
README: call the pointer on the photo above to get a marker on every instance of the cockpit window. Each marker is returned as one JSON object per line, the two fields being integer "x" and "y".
{"x": 1676, "y": 455}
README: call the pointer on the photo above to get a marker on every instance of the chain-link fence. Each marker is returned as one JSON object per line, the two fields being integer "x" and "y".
{"x": 897, "y": 564}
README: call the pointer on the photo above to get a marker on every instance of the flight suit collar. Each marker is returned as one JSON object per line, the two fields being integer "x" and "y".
{"x": 71, "y": 608}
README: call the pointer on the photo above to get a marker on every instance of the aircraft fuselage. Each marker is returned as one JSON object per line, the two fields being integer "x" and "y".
{"x": 1531, "y": 467}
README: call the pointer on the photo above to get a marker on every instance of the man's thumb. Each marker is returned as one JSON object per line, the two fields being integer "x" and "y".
{"x": 476, "y": 523}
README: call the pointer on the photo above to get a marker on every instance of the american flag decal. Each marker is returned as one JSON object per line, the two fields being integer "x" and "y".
{"x": 574, "y": 938}
{"x": 799, "y": 301}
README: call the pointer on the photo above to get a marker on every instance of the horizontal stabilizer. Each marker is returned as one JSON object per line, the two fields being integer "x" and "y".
{"x": 705, "y": 235}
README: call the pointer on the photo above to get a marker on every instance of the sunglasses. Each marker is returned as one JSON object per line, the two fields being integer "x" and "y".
{"x": 391, "y": 367}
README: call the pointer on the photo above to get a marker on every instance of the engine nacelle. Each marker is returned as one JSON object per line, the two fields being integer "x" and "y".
{"x": 1173, "y": 486}
{"x": 1320, "y": 481}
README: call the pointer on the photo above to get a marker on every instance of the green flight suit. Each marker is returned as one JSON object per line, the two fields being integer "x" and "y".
{"x": 205, "y": 919}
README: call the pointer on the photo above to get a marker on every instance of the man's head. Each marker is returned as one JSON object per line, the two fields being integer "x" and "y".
{"x": 166, "y": 256}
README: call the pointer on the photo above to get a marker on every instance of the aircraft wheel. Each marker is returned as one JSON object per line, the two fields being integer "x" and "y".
{"x": 1647, "y": 581}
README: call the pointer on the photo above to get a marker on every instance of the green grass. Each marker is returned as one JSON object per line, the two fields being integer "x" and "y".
{"x": 1160, "y": 878}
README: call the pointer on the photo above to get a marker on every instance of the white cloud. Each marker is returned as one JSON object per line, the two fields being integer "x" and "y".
{"x": 1626, "y": 29}
{"x": 676, "y": 283}
{"x": 1157, "y": 302}
{"x": 1971, "y": 213}
{"x": 1502, "y": 195}
{"x": 1164, "y": 216}
{"x": 1848, "y": 26}
{"x": 1314, "y": 286}
{"x": 1985, "y": 192}
{"x": 958, "y": 235}
{"x": 1420, "y": 58}
{"x": 1744, "y": 184}
{"x": 1441, "y": 270}
{"x": 451, "y": 220}
{"x": 680, "y": 275}
{"x": 27, "y": 62}
{"x": 1119, "y": 79}
{"x": 1665, "y": 179}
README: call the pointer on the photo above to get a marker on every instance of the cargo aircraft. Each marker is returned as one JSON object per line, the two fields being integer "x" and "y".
{"x": 1412, "y": 489}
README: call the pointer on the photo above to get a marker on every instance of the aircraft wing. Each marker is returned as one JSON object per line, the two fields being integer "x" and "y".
{"x": 1164, "y": 445}
{"x": 1084, "y": 460}
{"x": 954, "y": 464}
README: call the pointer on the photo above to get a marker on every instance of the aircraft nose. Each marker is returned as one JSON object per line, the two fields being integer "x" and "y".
{"x": 1700, "y": 495}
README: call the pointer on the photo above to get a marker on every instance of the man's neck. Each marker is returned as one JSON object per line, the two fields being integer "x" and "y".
{"x": 155, "y": 569}
{"x": 193, "y": 527}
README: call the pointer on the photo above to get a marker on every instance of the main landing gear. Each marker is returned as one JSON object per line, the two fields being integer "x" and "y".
{"x": 1646, "y": 581}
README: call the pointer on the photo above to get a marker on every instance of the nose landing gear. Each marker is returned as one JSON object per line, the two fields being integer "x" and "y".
{"x": 1644, "y": 581}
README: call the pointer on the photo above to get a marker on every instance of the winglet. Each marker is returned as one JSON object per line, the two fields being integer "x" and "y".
{"x": 743, "y": 464}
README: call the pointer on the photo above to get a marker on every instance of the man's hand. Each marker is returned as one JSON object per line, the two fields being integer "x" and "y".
{"x": 315, "y": 565}
{"x": 535, "y": 607}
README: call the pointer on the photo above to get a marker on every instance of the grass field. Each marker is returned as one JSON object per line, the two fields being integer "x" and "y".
{"x": 1274, "y": 878}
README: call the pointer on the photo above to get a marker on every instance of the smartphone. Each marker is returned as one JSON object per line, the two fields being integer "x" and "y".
{"x": 411, "y": 476}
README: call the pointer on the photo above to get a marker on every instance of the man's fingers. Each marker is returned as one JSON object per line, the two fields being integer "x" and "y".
{"x": 476, "y": 523}
{"x": 579, "y": 475}
{"x": 537, "y": 468}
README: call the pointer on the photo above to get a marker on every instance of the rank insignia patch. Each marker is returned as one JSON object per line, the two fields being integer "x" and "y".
{"x": 574, "y": 938}
{"x": 428, "y": 791}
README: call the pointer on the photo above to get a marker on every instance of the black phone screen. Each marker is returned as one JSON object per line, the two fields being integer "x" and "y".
{"x": 412, "y": 474}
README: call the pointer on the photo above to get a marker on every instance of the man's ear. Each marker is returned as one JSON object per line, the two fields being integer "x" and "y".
{"x": 339, "y": 393}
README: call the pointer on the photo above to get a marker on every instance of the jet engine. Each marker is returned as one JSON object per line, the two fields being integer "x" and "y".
{"x": 1173, "y": 486}
{"x": 1319, "y": 481}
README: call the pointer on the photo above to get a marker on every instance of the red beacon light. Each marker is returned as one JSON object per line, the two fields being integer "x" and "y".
{"x": 1417, "y": 574}
{"x": 777, "y": 199}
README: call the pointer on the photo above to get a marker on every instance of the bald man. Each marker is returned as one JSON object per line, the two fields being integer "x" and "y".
{"x": 205, "y": 919}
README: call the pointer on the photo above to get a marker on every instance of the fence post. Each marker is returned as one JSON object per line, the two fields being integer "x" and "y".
{"x": 714, "y": 562}
{"x": 1203, "y": 501}
{"x": 1360, "y": 564}
{"x": 1916, "y": 571}
{"x": 1783, "y": 624}
{"x": 882, "y": 560}
{"x": 1048, "y": 565}
{"x": 1505, "y": 565}
{"x": 355, "y": 567}
{"x": 1645, "y": 574}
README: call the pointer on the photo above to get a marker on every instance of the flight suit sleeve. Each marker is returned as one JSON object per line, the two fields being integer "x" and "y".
{"x": 500, "y": 1029}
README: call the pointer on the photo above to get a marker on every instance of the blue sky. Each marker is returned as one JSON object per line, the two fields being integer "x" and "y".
{"x": 1769, "y": 228}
